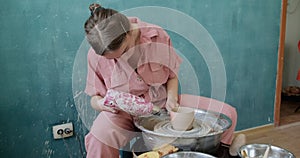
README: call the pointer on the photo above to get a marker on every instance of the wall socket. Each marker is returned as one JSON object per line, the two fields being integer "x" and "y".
{"x": 63, "y": 130}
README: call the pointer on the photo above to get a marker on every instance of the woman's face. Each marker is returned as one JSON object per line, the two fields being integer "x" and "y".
{"x": 127, "y": 43}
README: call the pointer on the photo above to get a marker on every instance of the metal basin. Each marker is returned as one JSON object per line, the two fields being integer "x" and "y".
{"x": 185, "y": 140}
{"x": 189, "y": 154}
{"x": 258, "y": 151}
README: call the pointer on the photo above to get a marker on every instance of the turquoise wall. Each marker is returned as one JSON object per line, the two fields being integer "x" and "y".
{"x": 40, "y": 40}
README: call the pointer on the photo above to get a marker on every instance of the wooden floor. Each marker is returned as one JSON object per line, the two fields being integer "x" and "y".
{"x": 287, "y": 111}
{"x": 287, "y": 135}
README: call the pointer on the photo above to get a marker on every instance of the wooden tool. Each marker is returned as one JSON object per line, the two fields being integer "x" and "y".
{"x": 244, "y": 154}
{"x": 267, "y": 152}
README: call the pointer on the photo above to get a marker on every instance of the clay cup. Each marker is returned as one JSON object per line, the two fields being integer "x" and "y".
{"x": 182, "y": 118}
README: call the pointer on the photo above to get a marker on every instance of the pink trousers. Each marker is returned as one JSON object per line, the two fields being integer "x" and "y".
{"x": 110, "y": 132}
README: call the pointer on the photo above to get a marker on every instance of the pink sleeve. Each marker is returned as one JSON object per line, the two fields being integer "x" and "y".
{"x": 127, "y": 102}
{"x": 175, "y": 61}
{"x": 94, "y": 83}
{"x": 157, "y": 41}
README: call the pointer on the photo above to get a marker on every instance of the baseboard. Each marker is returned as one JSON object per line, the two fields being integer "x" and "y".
{"x": 257, "y": 129}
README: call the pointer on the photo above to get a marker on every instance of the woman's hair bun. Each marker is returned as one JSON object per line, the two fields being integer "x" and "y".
{"x": 94, "y": 6}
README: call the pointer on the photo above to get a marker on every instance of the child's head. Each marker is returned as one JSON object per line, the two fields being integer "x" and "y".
{"x": 106, "y": 29}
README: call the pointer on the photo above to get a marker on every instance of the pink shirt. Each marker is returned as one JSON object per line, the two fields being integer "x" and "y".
{"x": 157, "y": 63}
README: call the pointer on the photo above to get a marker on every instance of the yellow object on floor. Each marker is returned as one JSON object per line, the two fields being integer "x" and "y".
{"x": 151, "y": 154}
{"x": 166, "y": 149}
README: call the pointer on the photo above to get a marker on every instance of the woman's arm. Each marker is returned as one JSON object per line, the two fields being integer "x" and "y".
{"x": 97, "y": 104}
{"x": 172, "y": 92}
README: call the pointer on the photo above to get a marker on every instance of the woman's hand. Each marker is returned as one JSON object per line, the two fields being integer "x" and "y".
{"x": 171, "y": 103}
{"x": 97, "y": 103}
{"x": 172, "y": 90}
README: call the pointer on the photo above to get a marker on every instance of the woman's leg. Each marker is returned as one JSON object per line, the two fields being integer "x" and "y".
{"x": 97, "y": 149}
{"x": 228, "y": 147}
{"x": 212, "y": 105}
{"x": 108, "y": 134}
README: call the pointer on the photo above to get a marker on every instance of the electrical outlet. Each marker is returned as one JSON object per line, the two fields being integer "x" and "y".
{"x": 62, "y": 130}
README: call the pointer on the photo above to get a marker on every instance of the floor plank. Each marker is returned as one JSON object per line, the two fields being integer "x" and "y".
{"x": 287, "y": 111}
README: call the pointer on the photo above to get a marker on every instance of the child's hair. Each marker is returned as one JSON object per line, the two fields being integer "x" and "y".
{"x": 105, "y": 29}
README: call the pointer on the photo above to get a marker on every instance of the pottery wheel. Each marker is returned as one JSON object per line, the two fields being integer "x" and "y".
{"x": 165, "y": 127}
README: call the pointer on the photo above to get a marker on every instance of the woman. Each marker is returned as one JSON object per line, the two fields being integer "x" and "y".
{"x": 131, "y": 56}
